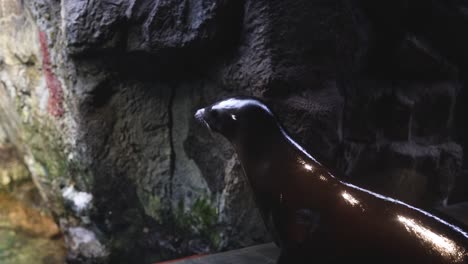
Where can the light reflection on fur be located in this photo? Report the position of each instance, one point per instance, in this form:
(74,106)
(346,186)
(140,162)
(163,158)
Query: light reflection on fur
(439,242)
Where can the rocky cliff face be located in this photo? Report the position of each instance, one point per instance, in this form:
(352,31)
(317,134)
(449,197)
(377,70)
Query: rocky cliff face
(97,97)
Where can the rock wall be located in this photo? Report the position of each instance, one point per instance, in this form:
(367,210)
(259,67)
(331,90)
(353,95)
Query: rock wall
(101,96)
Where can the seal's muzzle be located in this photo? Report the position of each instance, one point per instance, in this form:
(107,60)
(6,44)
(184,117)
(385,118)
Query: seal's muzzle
(200,116)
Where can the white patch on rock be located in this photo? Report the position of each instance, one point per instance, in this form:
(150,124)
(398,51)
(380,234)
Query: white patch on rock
(85,242)
(43,95)
(80,200)
(81,235)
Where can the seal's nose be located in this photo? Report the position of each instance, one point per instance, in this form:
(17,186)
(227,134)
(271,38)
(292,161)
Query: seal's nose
(199,114)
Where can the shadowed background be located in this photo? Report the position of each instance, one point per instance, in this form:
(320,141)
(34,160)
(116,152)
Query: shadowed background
(97,101)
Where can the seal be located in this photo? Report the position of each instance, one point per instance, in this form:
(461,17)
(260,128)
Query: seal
(313,215)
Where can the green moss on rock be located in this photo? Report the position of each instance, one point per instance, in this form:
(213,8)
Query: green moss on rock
(200,220)
(152,205)
(47,161)
(12,170)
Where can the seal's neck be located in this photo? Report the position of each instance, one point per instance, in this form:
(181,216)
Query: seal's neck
(259,144)
(270,162)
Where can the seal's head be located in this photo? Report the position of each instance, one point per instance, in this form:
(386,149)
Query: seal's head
(238,118)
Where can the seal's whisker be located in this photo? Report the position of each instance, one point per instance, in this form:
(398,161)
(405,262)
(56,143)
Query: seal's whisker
(199,117)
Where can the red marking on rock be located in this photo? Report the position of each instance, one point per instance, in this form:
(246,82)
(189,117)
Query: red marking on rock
(55,103)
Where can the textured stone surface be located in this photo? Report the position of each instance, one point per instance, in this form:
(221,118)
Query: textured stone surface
(150,26)
(12,169)
(27,234)
(98,98)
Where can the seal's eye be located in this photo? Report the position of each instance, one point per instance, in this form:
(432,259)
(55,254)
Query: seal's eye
(234,117)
